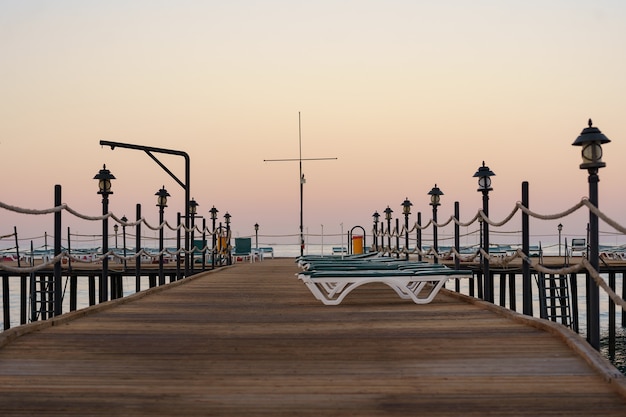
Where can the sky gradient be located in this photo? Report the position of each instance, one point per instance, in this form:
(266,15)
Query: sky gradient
(405,94)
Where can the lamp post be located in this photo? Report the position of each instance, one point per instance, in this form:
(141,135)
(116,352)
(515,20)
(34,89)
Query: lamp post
(376,216)
(213,212)
(256,236)
(560,228)
(203,244)
(115,229)
(162,195)
(193,209)
(435,196)
(227,219)
(104,178)
(124,221)
(406,210)
(388,212)
(484,186)
(591,140)
(418,236)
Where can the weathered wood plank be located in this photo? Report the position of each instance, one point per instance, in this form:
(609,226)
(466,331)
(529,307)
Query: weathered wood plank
(252,340)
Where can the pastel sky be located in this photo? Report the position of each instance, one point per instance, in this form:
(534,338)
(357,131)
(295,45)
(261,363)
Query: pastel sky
(405,94)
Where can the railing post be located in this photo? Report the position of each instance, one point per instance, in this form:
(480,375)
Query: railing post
(5,302)
(623,298)
(457,244)
(612,317)
(57,251)
(593,291)
(178,238)
(573,285)
(527,296)
(138,249)
(419,236)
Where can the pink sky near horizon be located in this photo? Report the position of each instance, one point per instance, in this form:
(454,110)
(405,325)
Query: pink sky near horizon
(405,94)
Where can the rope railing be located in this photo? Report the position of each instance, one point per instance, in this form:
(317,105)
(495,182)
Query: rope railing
(393,233)
(505,260)
(109,215)
(98,257)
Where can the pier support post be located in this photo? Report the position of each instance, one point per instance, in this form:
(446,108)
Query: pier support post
(138,249)
(457,244)
(419,236)
(57,251)
(527,289)
(593,292)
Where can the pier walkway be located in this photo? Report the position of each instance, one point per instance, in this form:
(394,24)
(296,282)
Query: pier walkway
(251,340)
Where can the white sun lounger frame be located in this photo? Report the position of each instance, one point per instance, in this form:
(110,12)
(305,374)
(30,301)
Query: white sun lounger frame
(331,290)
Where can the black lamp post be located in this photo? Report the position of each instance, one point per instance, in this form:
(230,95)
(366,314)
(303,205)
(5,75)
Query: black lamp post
(406,210)
(213,212)
(115,229)
(256,236)
(227,220)
(124,221)
(560,229)
(376,216)
(104,178)
(388,212)
(418,236)
(591,140)
(435,196)
(193,209)
(162,195)
(484,186)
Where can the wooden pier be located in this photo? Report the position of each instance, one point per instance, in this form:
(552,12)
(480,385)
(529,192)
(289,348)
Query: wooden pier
(251,340)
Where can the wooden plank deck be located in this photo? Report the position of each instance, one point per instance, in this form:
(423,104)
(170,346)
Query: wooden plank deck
(251,340)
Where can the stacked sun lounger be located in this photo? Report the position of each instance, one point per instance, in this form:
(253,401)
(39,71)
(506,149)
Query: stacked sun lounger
(330,280)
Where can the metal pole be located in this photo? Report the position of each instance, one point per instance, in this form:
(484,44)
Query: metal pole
(593,321)
(389,234)
(178,223)
(435,246)
(161,276)
(457,241)
(57,251)
(203,244)
(406,234)
(213,240)
(193,243)
(527,288)
(375,237)
(138,249)
(301,186)
(488,279)
(104,288)
(124,243)
(419,236)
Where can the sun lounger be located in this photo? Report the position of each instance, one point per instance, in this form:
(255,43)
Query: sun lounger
(421,285)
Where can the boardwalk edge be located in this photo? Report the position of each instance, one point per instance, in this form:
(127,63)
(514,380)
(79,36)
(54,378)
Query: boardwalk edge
(13,333)
(574,341)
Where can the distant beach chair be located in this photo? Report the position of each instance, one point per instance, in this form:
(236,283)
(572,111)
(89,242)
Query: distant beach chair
(243,249)
(340,250)
(578,245)
(265,250)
